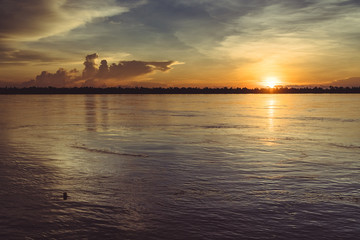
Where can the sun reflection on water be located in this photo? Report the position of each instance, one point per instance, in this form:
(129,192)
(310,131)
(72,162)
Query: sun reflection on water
(271,113)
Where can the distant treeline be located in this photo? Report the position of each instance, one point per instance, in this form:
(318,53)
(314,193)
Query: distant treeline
(175,90)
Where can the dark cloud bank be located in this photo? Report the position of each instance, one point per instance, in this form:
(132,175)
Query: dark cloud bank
(97,76)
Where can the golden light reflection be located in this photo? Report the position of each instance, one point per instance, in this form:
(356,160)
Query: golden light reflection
(271,106)
(271,112)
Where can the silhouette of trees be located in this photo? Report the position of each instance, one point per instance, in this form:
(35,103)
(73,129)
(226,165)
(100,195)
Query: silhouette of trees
(175,90)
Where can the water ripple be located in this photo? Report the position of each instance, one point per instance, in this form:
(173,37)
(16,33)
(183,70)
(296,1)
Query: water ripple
(107,151)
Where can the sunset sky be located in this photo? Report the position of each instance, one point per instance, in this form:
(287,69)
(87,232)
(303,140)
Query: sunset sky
(197,43)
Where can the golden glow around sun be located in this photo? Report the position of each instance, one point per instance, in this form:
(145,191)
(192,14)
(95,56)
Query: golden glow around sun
(271,81)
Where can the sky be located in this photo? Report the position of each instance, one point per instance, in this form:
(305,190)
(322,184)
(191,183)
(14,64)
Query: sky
(179,43)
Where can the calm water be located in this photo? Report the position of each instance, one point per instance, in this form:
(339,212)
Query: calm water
(180,166)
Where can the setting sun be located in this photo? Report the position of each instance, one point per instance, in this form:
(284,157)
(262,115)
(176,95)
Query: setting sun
(271,81)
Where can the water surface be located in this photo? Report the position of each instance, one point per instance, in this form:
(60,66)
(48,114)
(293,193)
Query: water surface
(180,166)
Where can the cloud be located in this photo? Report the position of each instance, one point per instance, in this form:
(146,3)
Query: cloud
(25,21)
(61,78)
(90,66)
(236,40)
(298,40)
(19,56)
(130,69)
(34,19)
(101,76)
(122,70)
(349,82)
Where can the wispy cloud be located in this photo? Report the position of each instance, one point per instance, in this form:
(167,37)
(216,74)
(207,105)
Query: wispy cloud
(34,19)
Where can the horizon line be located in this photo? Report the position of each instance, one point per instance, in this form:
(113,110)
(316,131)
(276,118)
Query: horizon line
(175,90)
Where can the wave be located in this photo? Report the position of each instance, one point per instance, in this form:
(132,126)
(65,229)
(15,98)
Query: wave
(309,197)
(280,177)
(330,119)
(106,151)
(345,146)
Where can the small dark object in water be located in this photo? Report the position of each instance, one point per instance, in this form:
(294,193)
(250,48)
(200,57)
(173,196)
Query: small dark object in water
(65,196)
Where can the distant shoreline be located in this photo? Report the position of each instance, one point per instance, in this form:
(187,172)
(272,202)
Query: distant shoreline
(175,90)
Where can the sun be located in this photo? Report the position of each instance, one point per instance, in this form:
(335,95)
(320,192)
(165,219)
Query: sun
(271,82)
